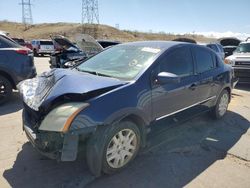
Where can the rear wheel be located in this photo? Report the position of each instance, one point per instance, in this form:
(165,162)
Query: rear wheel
(221,106)
(35,53)
(5,89)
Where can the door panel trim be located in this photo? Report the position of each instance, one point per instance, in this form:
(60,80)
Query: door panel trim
(167,115)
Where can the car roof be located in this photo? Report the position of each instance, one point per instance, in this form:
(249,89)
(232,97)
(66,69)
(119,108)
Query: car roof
(163,45)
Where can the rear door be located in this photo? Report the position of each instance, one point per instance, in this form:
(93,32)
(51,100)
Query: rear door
(205,68)
(170,98)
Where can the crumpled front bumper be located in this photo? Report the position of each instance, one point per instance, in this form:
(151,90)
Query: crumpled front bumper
(59,146)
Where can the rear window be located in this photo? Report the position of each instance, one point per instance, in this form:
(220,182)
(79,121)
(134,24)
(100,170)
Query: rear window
(5,42)
(46,43)
(204,60)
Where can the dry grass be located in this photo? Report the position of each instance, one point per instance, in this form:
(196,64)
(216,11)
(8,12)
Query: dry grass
(44,31)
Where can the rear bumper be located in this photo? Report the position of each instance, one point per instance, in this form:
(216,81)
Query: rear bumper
(243,74)
(45,51)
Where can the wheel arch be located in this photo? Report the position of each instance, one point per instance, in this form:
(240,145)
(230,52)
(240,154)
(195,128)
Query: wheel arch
(8,76)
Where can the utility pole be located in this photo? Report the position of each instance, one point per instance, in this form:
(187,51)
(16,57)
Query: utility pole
(90,17)
(26,13)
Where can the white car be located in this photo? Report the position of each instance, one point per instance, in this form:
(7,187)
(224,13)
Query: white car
(240,60)
(42,47)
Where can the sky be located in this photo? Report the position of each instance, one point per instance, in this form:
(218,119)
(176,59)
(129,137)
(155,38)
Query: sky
(209,17)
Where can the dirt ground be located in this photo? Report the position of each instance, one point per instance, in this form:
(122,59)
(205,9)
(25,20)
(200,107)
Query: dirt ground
(199,153)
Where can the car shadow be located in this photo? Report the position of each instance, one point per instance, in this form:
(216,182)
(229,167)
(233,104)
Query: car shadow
(173,157)
(13,105)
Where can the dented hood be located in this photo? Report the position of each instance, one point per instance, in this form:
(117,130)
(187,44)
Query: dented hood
(68,81)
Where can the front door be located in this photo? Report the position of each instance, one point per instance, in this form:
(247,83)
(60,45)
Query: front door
(170,98)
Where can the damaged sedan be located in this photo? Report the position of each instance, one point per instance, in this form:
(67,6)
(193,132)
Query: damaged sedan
(108,103)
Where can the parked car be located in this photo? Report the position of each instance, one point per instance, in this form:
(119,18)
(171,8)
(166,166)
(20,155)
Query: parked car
(109,101)
(229,45)
(67,53)
(42,47)
(16,64)
(240,60)
(28,45)
(107,43)
(218,48)
(19,41)
(185,40)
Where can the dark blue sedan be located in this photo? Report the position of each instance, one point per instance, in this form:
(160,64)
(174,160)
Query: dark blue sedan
(108,102)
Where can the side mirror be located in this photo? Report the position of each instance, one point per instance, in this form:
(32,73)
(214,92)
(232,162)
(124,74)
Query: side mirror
(167,78)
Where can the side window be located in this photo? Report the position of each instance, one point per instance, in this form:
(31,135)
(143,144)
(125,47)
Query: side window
(204,60)
(5,43)
(179,62)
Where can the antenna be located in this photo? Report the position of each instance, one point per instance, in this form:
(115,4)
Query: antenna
(26,13)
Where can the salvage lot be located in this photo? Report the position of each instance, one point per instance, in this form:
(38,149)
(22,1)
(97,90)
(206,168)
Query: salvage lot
(198,153)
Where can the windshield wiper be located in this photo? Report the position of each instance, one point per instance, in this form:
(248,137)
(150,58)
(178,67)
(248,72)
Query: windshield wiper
(93,72)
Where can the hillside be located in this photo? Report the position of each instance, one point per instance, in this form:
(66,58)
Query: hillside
(43,31)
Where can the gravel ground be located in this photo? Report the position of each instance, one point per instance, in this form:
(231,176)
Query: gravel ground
(198,153)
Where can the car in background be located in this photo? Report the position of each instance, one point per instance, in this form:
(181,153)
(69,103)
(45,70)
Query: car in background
(107,43)
(218,48)
(16,64)
(69,53)
(28,45)
(22,42)
(42,47)
(19,41)
(240,60)
(183,39)
(229,45)
(108,102)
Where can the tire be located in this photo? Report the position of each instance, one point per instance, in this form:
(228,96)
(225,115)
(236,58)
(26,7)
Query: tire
(121,140)
(5,89)
(221,106)
(35,53)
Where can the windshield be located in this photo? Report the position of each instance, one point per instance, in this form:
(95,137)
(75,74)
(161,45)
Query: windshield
(122,62)
(243,48)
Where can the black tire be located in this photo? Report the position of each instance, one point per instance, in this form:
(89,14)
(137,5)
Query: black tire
(5,89)
(216,110)
(98,144)
(35,53)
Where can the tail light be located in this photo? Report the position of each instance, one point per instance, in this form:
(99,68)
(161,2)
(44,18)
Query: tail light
(22,51)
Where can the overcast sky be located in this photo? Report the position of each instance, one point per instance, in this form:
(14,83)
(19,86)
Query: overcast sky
(177,16)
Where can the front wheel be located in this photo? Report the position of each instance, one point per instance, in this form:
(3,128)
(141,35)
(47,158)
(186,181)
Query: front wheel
(118,145)
(222,104)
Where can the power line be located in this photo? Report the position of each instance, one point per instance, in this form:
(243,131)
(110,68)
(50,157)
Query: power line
(27,18)
(90,11)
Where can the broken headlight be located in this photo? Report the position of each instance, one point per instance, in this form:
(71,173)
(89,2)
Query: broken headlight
(35,90)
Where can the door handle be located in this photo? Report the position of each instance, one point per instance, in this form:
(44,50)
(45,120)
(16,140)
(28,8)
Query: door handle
(193,87)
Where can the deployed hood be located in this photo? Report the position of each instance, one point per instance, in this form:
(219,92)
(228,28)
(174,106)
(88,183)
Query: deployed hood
(61,83)
(229,41)
(88,44)
(63,43)
(82,42)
